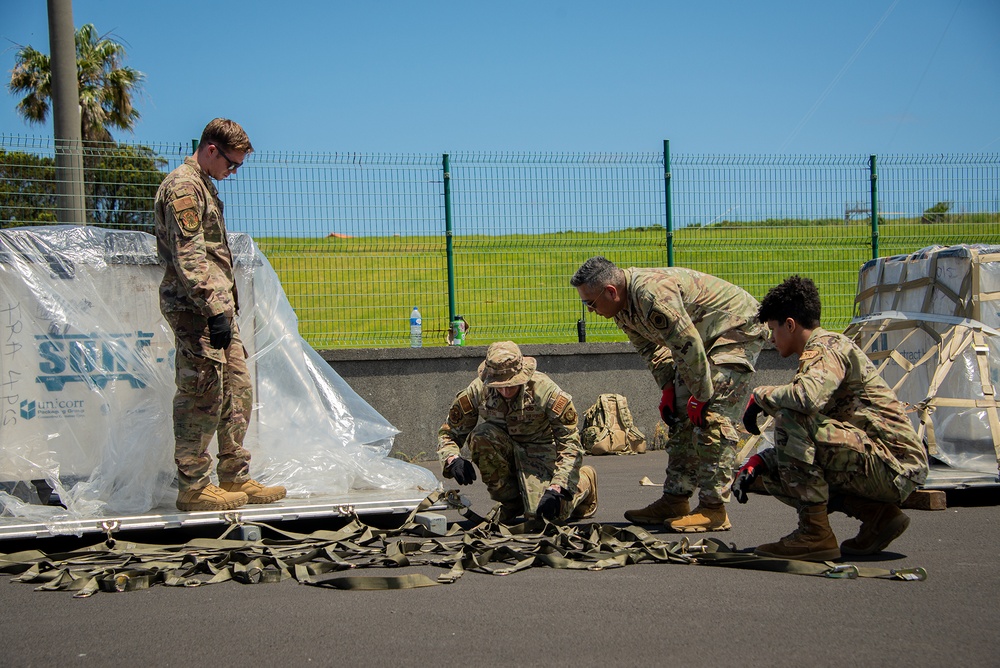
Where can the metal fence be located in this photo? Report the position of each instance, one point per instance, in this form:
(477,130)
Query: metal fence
(358,240)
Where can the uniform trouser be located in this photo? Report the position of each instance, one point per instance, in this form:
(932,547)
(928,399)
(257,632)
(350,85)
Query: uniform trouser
(705,457)
(212,398)
(516,474)
(815,458)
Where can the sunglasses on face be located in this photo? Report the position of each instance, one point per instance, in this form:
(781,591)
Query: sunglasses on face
(233,165)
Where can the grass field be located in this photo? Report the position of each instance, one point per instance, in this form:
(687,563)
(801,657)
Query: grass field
(358,292)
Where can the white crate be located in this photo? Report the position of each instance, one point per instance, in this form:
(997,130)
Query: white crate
(86,355)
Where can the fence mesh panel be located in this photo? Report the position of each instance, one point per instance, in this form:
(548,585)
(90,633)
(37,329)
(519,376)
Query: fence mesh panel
(951,199)
(755,220)
(525,222)
(358,240)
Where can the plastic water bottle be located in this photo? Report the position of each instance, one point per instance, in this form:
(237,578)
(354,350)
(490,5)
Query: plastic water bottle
(416,329)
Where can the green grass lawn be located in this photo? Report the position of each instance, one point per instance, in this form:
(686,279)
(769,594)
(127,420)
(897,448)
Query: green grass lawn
(358,292)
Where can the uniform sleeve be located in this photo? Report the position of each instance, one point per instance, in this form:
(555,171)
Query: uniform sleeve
(821,372)
(201,279)
(669,326)
(563,420)
(686,346)
(462,418)
(658,358)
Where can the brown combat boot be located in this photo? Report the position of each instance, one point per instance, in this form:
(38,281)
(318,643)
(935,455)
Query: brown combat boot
(210,497)
(812,541)
(667,507)
(705,517)
(255,491)
(588,502)
(881,523)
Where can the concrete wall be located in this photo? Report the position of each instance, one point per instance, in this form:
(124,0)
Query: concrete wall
(414,388)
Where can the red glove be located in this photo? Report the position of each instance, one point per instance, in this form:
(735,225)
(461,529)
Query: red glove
(667,405)
(750,414)
(747,474)
(696,411)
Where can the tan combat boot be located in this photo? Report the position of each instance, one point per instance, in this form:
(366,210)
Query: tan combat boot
(881,523)
(255,491)
(667,507)
(705,517)
(210,497)
(812,541)
(588,486)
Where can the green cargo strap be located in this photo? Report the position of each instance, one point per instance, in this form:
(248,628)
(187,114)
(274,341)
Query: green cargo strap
(411,581)
(319,558)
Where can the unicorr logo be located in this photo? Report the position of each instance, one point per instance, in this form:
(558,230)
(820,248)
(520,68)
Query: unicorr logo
(27,409)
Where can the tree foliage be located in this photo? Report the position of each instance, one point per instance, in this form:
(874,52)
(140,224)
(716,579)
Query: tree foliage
(936,213)
(121,183)
(106,85)
(125,179)
(120,180)
(27,189)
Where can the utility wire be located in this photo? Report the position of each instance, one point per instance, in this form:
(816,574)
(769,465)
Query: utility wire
(837,78)
(990,144)
(916,88)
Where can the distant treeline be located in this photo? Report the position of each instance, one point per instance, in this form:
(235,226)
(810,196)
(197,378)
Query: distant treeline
(120,184)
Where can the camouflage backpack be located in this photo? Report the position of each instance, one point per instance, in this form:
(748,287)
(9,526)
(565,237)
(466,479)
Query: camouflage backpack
(608,428)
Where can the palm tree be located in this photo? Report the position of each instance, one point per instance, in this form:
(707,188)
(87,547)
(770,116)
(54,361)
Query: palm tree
(106,85)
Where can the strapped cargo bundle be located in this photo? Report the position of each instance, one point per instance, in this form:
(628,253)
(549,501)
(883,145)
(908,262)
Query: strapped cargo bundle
(931,323)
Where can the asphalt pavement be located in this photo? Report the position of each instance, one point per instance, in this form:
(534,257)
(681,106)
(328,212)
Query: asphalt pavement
(644,614)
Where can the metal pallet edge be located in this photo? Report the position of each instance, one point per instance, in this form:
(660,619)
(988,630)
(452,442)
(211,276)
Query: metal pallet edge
(286,510)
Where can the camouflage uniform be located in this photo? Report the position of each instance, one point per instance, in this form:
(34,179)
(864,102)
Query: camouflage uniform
(839,429)
(214,392)
(700,333)
(523,444)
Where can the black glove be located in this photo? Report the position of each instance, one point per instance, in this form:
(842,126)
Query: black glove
(750,414)
(220,332)
(550,505)
(462,471)
(746,476)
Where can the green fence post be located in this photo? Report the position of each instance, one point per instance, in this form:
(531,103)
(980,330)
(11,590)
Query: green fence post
(874,180)
(448,241)
(670,218)
(194,145)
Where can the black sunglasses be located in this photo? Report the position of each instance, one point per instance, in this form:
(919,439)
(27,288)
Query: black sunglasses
(233,165)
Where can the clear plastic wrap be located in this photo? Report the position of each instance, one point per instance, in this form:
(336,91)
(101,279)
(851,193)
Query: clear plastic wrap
(930,321)
(87,382)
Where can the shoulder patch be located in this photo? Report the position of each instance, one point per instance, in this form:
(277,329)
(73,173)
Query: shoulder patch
(183,203)
(465,402)
(561,401)
(658,320)
(806,357)
(185,210)
(189,220)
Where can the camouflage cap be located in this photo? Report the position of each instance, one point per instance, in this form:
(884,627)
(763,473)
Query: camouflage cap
(505,366)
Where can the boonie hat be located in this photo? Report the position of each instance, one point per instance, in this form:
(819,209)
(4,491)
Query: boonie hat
(505,366)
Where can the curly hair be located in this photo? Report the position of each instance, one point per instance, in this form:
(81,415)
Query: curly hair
(797,298)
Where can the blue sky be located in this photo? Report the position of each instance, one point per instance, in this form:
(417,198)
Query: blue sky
(855,76)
